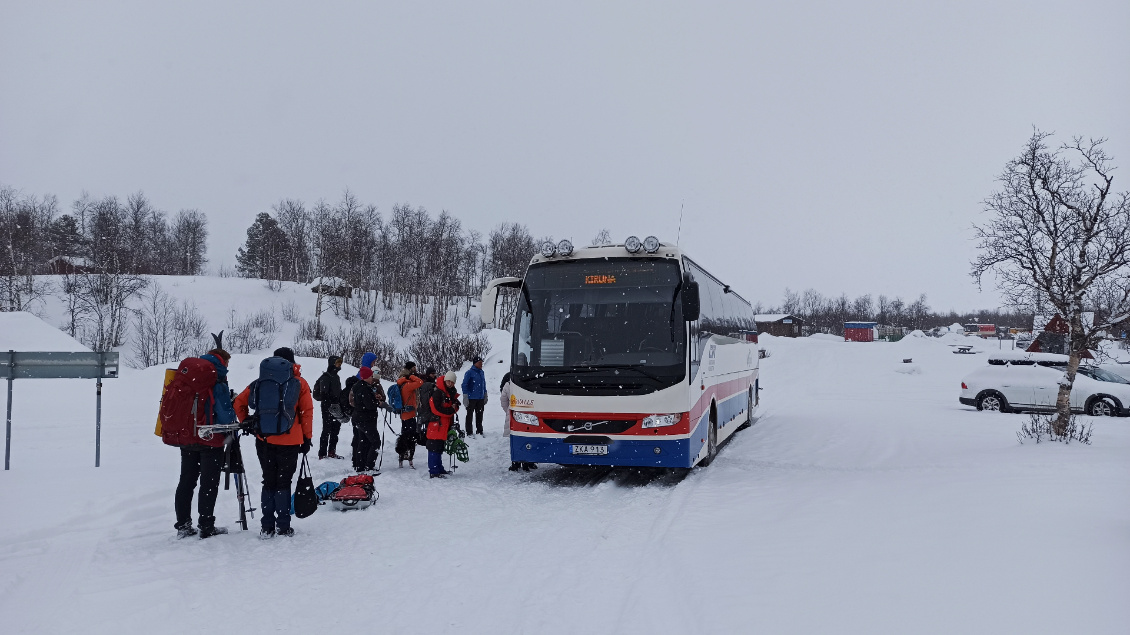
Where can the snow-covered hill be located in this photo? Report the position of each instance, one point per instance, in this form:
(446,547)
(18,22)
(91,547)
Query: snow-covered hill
(865,500)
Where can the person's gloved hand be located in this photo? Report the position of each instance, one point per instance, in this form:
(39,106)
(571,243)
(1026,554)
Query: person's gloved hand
(306,446)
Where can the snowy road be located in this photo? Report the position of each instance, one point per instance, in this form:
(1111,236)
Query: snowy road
(865,500)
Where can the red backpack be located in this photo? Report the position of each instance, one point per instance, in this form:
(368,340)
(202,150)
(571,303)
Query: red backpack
(356,492)
(187,403)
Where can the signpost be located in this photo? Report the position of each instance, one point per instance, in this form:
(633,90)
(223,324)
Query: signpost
(44,365)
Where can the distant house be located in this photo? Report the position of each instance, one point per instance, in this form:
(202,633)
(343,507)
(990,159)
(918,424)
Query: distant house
(334,287)
(70,265)
(779,324)
(1053,337)
(859,331)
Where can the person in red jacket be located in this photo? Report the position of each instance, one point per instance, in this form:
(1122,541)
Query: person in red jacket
(444,403)
(278,454)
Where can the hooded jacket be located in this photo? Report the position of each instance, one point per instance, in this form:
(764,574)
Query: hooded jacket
(444,403)
(303,428)
(366,361)
(367,400)
(331,386)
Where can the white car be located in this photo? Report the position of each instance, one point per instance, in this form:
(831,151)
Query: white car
(1030,382)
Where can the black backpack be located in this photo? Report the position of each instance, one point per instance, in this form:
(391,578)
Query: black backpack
(318,392)
(343,401)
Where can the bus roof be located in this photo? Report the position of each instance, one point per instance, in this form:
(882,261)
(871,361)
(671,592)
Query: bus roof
(666,251)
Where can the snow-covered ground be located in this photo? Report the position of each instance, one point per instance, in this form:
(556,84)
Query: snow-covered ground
(865,500)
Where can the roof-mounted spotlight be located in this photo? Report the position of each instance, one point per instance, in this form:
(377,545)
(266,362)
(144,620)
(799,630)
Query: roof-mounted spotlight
(632,244)
(565,247)
(548,249)
(651,244)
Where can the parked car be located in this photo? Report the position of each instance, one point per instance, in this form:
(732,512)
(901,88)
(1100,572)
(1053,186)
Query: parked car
(1030,383)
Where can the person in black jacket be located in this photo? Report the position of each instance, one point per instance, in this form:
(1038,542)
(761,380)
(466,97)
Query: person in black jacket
(328,389)
(368,401)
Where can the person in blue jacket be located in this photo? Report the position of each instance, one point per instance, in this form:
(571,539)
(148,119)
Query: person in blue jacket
(366,362)
(475,391)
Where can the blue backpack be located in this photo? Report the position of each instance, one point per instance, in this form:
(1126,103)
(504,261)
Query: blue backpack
(394,398)
(274,396)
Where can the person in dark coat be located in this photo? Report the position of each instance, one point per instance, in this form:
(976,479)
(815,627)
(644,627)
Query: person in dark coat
(368,401)
(331,409)
(475,391)
(203,461)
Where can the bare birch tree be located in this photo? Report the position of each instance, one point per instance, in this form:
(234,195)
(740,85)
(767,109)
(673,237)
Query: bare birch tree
(1058,232)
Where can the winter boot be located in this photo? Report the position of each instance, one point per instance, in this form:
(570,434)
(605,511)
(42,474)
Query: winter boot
(401,466)
(208,532)
(515,466)
(185,529)
(266,534)
(440,475)
(288,532)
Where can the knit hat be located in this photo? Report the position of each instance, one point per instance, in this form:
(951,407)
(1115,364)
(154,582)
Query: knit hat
(449,376)
(284,353)
(409,365)
(476,360)
(430,370)
(365,373)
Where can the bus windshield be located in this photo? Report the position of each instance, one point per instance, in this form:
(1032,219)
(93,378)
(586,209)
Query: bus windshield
(594,315)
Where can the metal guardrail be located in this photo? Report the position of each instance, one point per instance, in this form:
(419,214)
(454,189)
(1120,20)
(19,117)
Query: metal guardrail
(51,365)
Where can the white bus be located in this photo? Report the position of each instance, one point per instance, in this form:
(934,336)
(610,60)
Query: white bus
(626,355)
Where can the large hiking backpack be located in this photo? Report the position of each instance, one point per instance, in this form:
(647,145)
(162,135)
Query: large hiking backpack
(356,492)
(424,413)
(187,404)
(274,396)
(395,399)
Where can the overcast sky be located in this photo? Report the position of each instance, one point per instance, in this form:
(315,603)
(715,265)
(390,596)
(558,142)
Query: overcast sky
(840,146)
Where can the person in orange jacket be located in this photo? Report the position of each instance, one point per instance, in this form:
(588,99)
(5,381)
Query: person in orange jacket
(278,454)
(444,404)
(409,383)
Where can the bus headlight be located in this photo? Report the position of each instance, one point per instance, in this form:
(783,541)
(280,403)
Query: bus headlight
(632,244)
(565,247)
(525,418)
(548,249)
(660,421)
(651,244)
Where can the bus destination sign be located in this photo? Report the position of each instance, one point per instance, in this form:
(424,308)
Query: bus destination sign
(600,279)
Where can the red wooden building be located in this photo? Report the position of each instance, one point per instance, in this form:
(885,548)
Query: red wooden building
(859,331)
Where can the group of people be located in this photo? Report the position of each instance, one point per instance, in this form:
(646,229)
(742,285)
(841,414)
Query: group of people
(427,406)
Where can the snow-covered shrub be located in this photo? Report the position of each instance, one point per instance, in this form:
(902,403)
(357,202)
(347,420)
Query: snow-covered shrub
(1041,428)
(289,311)
(247,335)
(350,343)
(446,351)
(167,330)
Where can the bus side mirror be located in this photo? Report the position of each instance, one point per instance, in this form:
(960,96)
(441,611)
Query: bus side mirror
(490,296)
(690,301)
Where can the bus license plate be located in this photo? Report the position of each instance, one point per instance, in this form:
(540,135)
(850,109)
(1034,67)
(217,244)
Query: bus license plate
(592,450)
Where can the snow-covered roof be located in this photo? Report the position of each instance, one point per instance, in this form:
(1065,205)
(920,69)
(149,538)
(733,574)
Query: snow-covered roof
(1040,322)
(1008,356)
(74,261)
(22,331)
(772,317)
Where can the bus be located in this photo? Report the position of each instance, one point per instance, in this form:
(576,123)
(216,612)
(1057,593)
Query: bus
(626,355)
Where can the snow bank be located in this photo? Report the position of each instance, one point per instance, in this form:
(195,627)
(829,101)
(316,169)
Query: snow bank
(22,331)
